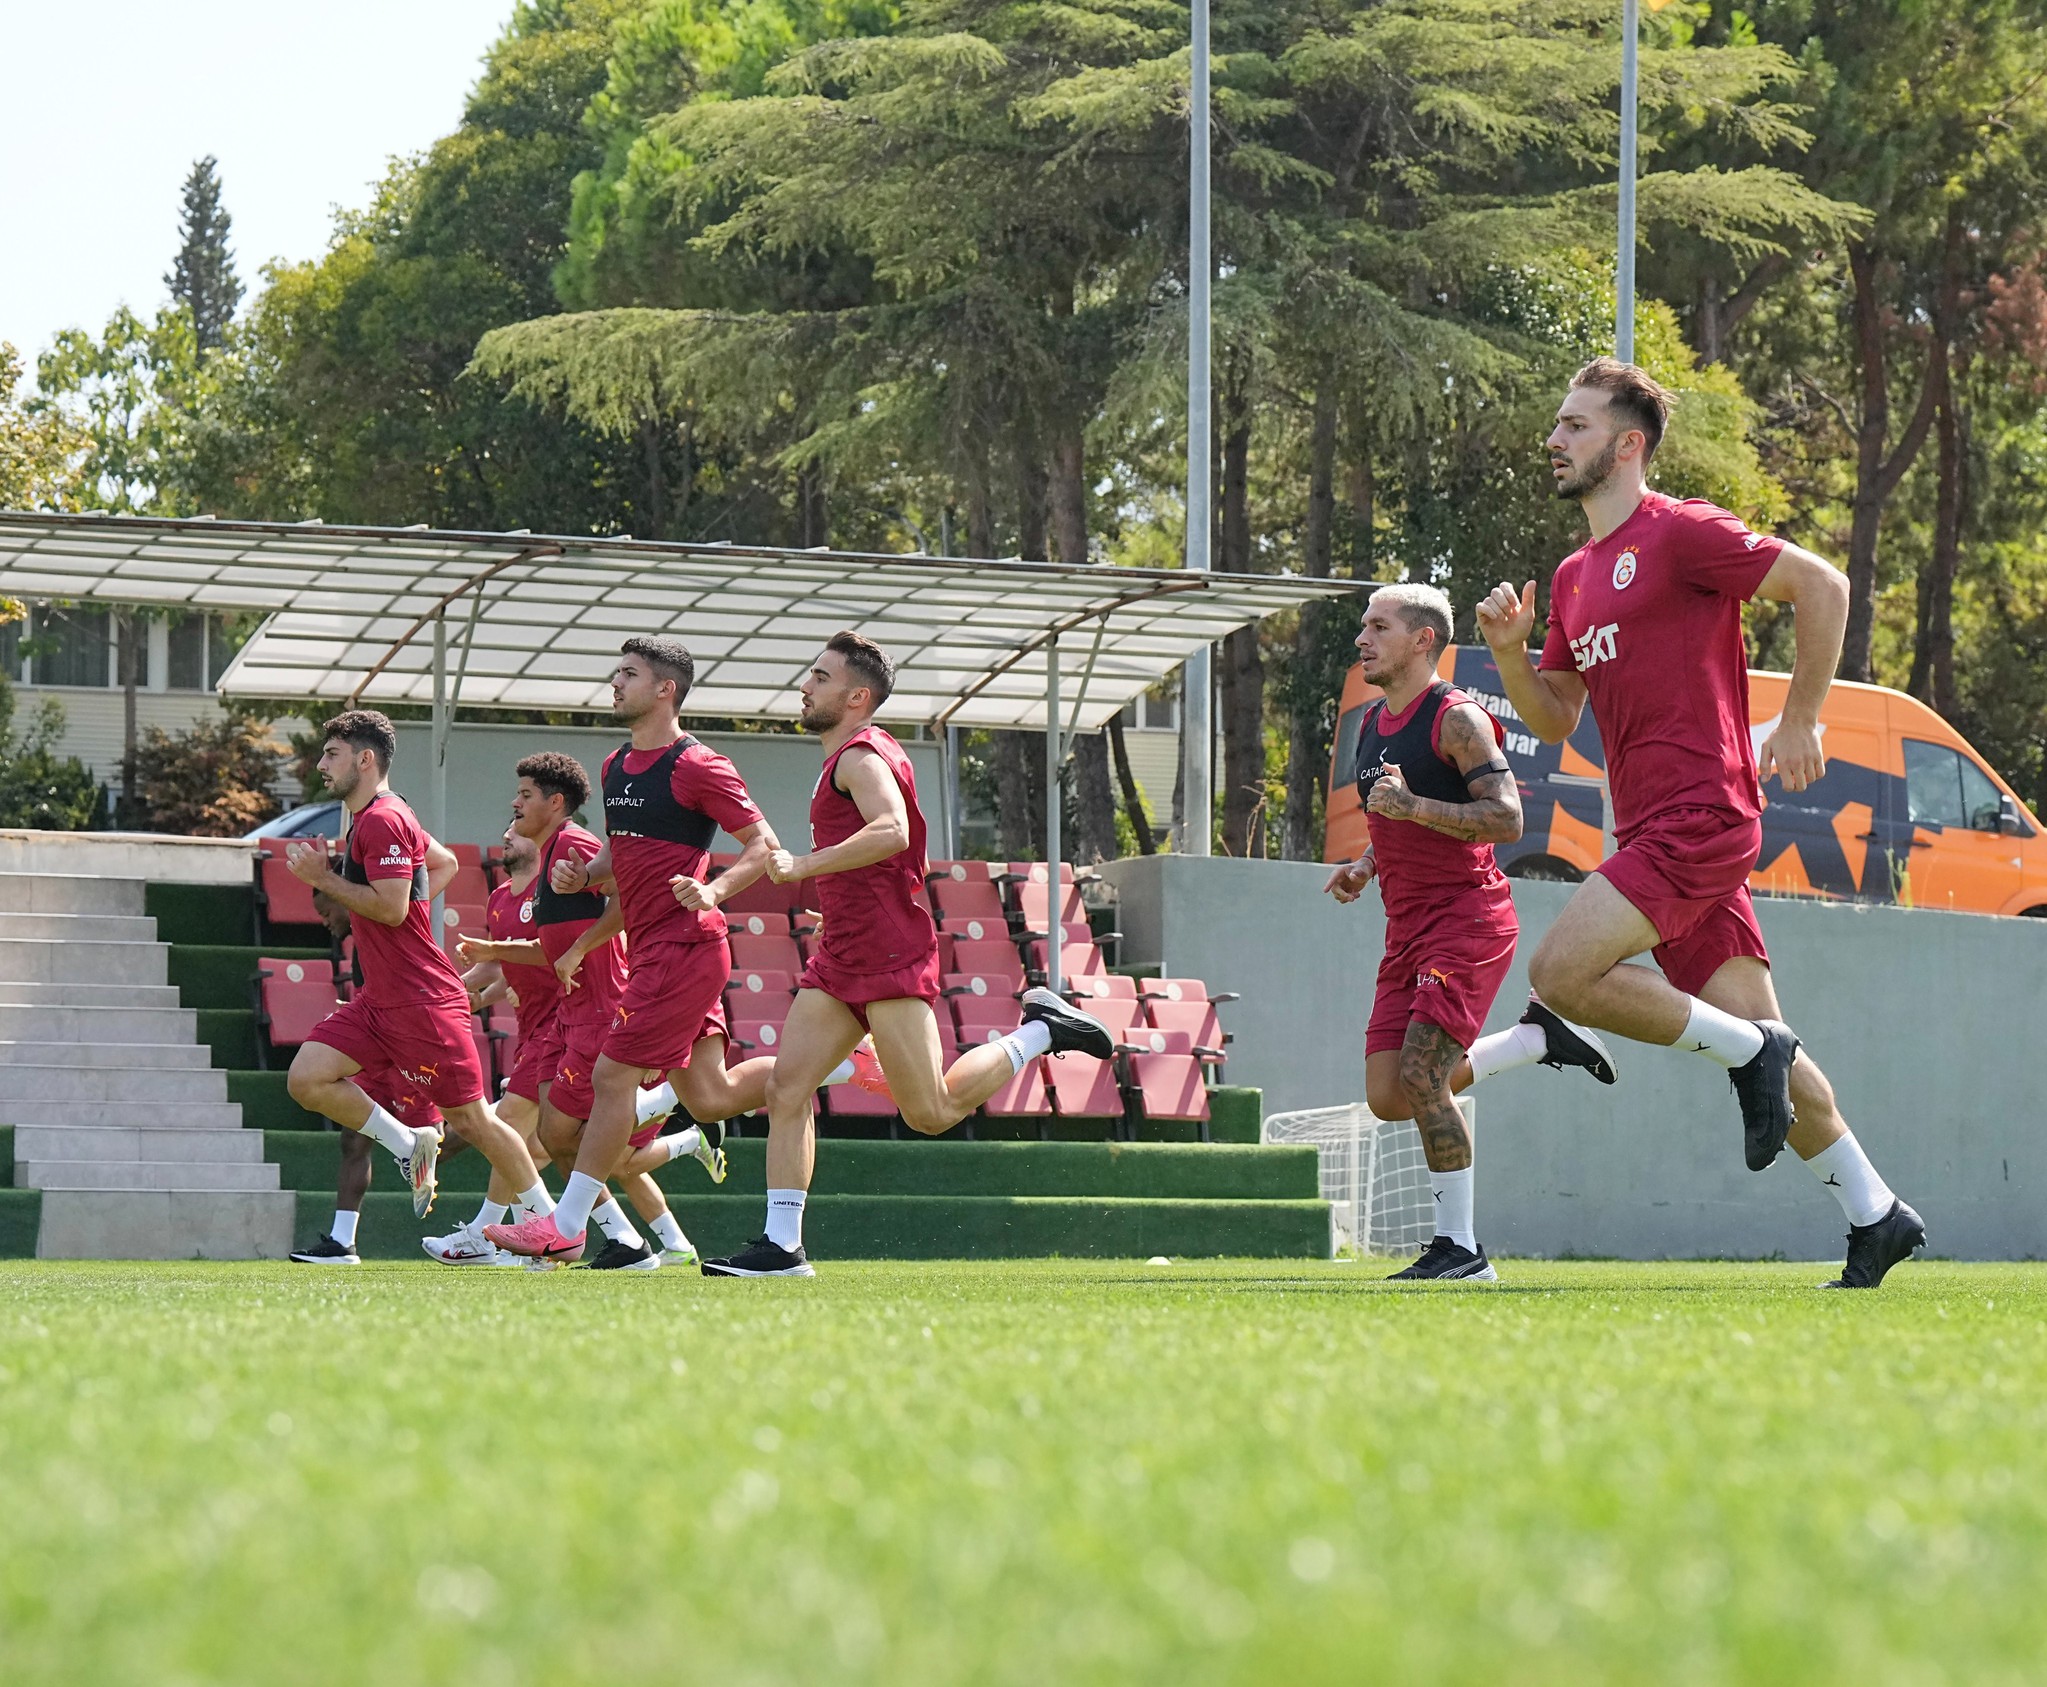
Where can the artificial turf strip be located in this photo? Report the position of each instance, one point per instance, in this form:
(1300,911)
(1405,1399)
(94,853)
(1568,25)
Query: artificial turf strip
(223,975)
(231,1035)
(917,1226)
(21,1220)
(1158,1171)
(201,913)
(1015,1475)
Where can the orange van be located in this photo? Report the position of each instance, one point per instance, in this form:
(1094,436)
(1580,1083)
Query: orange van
(1907,813)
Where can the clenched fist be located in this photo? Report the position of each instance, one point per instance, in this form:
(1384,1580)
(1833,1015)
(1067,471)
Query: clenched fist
(782,866)
(1390,795)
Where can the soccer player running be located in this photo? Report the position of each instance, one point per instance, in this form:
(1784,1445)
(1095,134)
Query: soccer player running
(1438,795)
(665,798)
(875,966)
(412,1013)
(1645,622)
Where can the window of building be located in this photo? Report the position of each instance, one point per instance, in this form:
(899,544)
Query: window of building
(71,646)
(199,652)
(1152,714)
(10,650)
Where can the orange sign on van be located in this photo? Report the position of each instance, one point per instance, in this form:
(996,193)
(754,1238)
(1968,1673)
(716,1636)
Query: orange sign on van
(1907,813)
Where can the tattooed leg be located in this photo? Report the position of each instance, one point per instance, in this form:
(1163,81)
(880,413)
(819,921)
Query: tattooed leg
(1428,1059)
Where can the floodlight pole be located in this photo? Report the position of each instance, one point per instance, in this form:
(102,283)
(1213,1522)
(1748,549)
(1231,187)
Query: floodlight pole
(1197,732)
(1055,745)
(1624,269)
(439,782)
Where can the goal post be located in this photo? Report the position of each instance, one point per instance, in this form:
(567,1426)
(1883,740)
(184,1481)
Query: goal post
(1372,1174)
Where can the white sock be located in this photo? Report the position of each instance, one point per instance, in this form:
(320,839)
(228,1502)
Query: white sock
(1720,1036)
(491,1212)
(669,1234)
(681,1142)
(610,1218)
(536,1201)
(1844,1168)
(785,1218)
(386,1132)
(1518,1045)
(840,1074)
(1026,1043)
(1453,1206)
(581,1193)
(343,1230)
(656,1103)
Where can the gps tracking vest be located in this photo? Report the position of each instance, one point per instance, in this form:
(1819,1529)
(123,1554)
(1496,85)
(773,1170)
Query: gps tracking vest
(552,907)
(643,805)
(1413,748)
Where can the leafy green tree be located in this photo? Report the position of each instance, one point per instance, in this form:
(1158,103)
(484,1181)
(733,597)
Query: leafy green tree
(203,279)
(39,446)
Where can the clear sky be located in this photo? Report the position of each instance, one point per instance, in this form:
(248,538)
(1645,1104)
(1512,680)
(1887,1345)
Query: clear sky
(108,102)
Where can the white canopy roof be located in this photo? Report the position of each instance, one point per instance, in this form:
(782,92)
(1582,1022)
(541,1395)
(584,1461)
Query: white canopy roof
(534,622)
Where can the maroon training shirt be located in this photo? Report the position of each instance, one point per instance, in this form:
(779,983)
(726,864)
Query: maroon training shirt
(401,964)
(702,783)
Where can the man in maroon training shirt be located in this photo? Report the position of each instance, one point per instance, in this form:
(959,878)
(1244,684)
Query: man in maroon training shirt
(875,968)
(1645,622)
(412,1012)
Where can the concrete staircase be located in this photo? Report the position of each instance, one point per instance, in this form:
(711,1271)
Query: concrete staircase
(119,1117)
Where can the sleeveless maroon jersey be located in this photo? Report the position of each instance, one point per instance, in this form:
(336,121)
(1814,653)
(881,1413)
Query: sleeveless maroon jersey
(872,919)
(511,921)
(1421,870)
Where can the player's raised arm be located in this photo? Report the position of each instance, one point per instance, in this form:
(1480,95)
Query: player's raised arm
(1818,592)
(1548,700)
(864,777)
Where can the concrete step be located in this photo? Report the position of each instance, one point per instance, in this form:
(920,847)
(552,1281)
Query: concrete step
(143,1142)
(141,1174)
(45,961)
(14,994)
(88,1080)
(78,928)
(153,1057)
(68,893)
(65,1023)
(166,1224)
(131,1115)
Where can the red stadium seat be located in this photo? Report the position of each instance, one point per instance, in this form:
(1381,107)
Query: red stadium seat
(1120,1016)
(469,854)
(291,998)
(1182,990)
(961,871)
(764,896)
(765,954)
(1033,872)
(990,958)
(979,1016)
(460,920)
(283,897)
(1024,1096)
(850,1101)
(976,929)
(1169,1085)
(1101,987)
(969,899)
(470,886)
(756,1036)
(1034,903)
(1197,1021)
(759,924)
(758,986)
(1076,960)
(1085,1088)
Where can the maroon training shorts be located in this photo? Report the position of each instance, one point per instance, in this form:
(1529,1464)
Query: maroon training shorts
(535,1061)
(674,994)
(1445,969)
(430,1043)
(916,982)
(1687,872)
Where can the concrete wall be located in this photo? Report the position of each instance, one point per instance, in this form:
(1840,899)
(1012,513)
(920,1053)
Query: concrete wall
(780,769)
(1929,1024)
(128,855)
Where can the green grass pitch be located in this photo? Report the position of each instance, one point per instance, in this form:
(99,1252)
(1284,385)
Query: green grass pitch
(1037,1474)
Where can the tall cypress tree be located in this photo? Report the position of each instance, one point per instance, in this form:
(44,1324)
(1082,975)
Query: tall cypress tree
(203,278)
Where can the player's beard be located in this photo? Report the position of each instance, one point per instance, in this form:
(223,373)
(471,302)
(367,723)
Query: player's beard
(343,784)
(1593,476)
(626,713)
(520,852)
(820,717)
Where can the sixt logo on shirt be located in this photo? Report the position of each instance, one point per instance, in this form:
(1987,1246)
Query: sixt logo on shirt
(1594,646)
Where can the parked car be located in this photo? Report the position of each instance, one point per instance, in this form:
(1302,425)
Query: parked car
(1907,813)
(308,820)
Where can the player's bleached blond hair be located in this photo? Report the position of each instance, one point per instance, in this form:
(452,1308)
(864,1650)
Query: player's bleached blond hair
(1420,606)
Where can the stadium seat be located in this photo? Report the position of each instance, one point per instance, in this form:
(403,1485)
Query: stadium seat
(460,920)
(1086,1088)
(1120,1016)
(468,854)
(977,1016)
(1169,1084)
(1101,987)
(1076,960)
(758,986)
(764,896)
(969,899)
(1034,903)
(291,998)
(1033,872)
(991,958)
(755,1036)
(1182,990)
(1197,1021)
(282,897)
(850,1101)
(470,885)
(961,871)
(977,929)
(765,954)
(758,924)
(1024,1096)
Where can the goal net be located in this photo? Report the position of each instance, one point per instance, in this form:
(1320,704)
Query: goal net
(1373,1174)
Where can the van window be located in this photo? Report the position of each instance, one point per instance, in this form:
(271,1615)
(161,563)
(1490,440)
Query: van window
(1944,788)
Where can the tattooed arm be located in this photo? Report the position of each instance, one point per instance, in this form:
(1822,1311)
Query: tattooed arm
(1494,813)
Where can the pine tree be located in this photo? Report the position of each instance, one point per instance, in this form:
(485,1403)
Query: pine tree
(203,279)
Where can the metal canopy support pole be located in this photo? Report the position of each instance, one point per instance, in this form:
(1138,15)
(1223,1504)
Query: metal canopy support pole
(955,803)
(1196,731)
(1624,270)
(1055,899)
(439,783)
